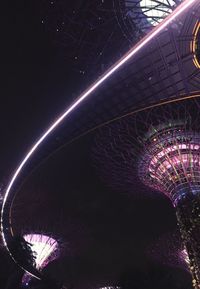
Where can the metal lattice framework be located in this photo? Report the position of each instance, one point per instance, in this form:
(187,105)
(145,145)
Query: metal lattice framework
(137,17)
(44,247)
(45,250)
(160,148)
(170,161)
(166,71)
(156,11)
(83,32)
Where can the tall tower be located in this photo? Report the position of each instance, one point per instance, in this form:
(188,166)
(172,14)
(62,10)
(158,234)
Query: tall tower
(170,163)
(159,148)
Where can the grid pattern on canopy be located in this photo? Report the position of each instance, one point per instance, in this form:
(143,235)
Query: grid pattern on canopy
(159,147)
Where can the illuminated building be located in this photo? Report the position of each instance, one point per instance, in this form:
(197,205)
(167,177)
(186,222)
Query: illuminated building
(159,148)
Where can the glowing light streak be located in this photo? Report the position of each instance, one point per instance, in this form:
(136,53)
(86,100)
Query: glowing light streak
(179,10)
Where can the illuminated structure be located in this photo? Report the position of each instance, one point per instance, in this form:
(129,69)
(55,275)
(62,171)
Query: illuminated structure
(159,148)
(45,250)
(155,11)
(170,162)
(136,18)
(44,247)
(177,76)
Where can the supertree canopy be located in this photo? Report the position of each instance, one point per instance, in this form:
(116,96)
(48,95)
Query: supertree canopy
(45,250)
(159,148)
(44,247)
(138,17)
(155,10)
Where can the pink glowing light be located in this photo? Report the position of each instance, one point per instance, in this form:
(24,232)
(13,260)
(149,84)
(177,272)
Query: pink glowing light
(110,287)
(187,159)
(43,247)
(45,250)
(179,10)
(184,257)
(173,148)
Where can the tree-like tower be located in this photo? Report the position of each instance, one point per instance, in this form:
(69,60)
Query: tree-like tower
(159,148)
(170,163)
(45,249)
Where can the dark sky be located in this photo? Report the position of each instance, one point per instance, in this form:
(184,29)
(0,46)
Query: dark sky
(42,70)
(108,232)
(36,83)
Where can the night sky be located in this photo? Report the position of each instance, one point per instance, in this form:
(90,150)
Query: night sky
(106,234)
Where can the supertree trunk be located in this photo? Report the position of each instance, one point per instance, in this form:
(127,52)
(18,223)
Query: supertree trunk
(188,216)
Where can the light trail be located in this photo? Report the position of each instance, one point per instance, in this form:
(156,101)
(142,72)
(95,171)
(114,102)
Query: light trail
(178,11)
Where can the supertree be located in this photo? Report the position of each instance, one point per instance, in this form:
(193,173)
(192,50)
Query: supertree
(159,147)
(45,249)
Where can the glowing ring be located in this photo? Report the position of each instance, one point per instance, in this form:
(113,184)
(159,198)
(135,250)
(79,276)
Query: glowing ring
(179,10)
(193,44)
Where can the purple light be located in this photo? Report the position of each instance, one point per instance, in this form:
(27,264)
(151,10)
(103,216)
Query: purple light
(45,250)
(183,255)
(171,162)
(180,9)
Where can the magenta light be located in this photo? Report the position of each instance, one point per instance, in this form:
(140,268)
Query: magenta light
(167,167)
(183,255)
(44,248)
(179,10)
